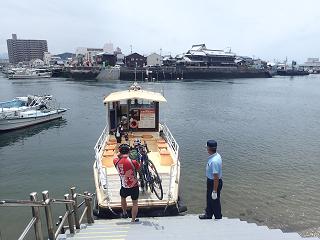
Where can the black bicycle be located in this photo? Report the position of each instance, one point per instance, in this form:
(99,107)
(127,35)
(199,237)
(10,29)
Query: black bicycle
(149,176)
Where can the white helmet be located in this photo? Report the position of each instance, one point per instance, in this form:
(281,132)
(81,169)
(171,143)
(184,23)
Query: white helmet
(136,142)
(124,118)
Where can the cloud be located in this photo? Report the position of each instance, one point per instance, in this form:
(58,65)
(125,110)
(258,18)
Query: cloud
(267,29)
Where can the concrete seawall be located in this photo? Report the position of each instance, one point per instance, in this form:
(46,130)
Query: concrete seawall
(161,73)
(77,72)
(186,73)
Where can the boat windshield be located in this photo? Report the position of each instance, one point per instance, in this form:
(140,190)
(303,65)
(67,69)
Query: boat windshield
(14,103)
(141,104)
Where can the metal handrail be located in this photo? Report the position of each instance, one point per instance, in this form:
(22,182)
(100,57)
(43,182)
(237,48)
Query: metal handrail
(175,148)
(102,170)
(99,148)
(46,204)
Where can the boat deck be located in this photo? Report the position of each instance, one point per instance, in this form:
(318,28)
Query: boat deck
(145,198)
(161,156)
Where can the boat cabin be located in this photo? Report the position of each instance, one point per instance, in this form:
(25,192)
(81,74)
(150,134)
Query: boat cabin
(139,106)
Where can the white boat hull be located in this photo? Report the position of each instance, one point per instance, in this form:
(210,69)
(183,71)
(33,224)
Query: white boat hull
(29,76)
(7,124)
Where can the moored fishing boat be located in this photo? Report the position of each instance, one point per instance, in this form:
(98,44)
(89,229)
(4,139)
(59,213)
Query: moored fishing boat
(26,111)
(142,108)
(30,74)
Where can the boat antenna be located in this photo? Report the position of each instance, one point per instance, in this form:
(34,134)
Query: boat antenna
(135,87)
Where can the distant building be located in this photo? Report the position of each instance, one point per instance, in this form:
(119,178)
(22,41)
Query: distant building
(89,54)
(54,59)
(311,64)
(169,61)
(135,60)
(120,59)
(105,57)
(154,59)
(64,62)
(20,50)
(36,62)
(244,61)
(47,58)
(199,55)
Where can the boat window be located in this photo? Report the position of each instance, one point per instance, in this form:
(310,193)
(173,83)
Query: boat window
(123,108)
(141,104)
(112,105)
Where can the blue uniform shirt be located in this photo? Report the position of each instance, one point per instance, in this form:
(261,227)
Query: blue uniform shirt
(214,166)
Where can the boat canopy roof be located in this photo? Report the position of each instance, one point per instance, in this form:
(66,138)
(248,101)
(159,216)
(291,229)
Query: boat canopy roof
(135,94)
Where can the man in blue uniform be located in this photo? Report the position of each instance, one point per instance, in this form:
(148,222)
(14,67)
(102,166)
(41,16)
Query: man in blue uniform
(214,182)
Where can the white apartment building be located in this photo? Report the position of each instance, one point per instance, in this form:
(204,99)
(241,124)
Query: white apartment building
(47,58)
(89,53)
(311,64)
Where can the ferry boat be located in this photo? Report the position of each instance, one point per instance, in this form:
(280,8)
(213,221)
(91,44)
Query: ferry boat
(142,108)
(26,111)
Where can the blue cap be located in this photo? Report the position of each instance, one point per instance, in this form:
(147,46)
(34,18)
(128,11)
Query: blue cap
(212,143)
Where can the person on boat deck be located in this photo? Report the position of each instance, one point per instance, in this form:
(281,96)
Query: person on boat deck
(214,182)
(119,130)
(127,170)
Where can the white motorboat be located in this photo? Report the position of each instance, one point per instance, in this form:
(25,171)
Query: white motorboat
(142,108)
(26,111)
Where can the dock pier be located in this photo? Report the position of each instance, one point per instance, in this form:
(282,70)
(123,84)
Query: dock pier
(179,227)
(182,226)
(173,73)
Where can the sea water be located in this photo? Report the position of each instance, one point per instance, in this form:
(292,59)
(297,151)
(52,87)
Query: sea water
(267,131)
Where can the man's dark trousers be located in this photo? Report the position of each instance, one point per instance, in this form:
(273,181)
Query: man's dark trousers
(213,206)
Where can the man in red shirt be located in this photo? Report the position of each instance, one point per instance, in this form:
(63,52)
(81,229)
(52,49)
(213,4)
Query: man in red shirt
(127,170)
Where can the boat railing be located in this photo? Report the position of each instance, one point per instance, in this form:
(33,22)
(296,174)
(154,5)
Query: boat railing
(167,135)
(174,167)
(72,212)
(153,85)
(99,148)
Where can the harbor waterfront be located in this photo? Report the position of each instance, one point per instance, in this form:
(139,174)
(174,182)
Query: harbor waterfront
(267,131)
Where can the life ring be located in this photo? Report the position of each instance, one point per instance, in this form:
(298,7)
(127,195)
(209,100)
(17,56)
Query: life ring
(134,123)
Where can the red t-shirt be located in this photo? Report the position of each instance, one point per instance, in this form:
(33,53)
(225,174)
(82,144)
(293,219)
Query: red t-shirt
(126,171)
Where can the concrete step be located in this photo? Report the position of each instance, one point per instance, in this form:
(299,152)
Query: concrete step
(179,227)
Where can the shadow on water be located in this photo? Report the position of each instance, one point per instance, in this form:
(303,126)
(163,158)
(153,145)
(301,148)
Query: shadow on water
(214,80)
(10,137)
(109,83)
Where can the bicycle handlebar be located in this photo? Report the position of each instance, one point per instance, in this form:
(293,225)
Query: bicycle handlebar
(144,146)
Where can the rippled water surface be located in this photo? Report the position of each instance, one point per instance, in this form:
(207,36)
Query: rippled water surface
(267,132)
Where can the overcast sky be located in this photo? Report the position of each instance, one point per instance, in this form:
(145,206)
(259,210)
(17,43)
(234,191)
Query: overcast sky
(269,30)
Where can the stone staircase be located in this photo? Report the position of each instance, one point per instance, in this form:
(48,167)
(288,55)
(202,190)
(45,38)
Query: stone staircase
(178,227)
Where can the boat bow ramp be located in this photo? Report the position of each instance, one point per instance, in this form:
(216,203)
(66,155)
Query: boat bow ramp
(178,227)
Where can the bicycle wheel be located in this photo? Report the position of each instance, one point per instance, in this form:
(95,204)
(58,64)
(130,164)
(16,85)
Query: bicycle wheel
(142,181)
(155,183)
